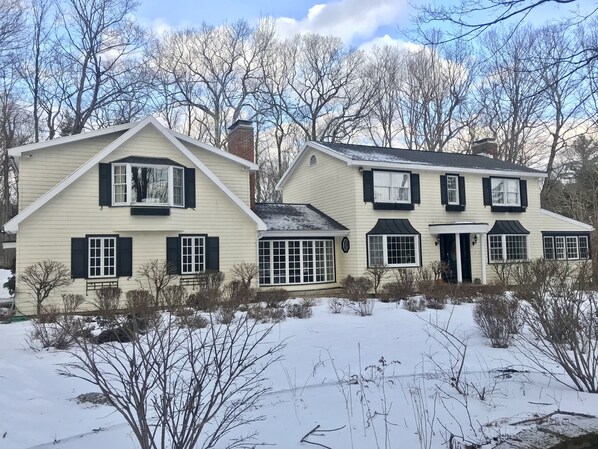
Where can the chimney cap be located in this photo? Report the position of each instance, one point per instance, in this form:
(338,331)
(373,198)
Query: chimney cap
(485,140)
(241,123)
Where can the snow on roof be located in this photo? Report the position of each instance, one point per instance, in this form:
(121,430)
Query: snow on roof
(295,217)
(368,153)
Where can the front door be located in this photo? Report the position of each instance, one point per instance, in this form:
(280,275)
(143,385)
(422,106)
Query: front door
(448,255)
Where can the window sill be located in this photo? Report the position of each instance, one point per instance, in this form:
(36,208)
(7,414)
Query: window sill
(507,209)
(150,211)
(393,206)
(297,283)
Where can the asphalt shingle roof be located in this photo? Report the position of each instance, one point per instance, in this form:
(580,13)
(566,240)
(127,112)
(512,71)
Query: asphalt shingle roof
(374,154)
(295,217)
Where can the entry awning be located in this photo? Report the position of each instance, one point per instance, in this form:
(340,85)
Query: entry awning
(458,228)
(508,227)
(393,226)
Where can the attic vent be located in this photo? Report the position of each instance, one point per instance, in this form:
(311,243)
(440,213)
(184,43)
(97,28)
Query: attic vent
(313,160)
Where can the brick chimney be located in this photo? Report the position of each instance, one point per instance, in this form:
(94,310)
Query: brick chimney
(485,147)
(240,143)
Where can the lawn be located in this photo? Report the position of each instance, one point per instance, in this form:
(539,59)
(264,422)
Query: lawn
(382,381)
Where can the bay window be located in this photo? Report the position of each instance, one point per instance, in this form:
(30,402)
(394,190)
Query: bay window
(147,185)
(297,261)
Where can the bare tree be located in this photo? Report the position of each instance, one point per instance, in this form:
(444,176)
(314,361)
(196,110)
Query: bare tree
(155,276)
(182,387)
(98,43)
(43,278)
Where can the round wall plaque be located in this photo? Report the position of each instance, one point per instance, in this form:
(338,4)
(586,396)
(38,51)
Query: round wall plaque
(345,244)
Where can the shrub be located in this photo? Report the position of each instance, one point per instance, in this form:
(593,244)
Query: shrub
(264,315)
(437,302)
(43,278)
(174,297)
(376,274)
(362,307)
(6,315)
(209,292)
(140,303)
(336,305)
(237,292)
(301,310)
(356,288)
(245,273)
(59,334)
(202,301)
(416,304)
(272,297)
(49,314)
(72,302)
(193,321)
(402,288)
(154,276)
(498,318)
(107,301)
(225,315)
(434,294)
(503,273)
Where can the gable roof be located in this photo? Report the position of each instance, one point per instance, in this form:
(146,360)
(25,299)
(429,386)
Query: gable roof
(297,218)
(400,158)
(12,225)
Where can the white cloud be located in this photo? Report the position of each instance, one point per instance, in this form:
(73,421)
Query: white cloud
(385,40)
(347,19)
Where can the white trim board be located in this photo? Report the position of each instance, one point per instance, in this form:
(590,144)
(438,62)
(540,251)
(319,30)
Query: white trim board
(584,226)
(17,151)
(12,226)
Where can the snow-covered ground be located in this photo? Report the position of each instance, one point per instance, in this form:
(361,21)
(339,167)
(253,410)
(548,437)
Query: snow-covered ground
(4,275)
(37,407)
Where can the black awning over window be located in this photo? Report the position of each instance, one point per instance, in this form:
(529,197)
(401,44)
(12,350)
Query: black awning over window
(508,227)
(393,226)
(147,160)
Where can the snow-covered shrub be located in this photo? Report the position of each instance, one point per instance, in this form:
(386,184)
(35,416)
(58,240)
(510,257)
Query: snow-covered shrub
(497,316)
(174,297)
(225,315)
(336,305)
(193,321)
(273,297)
(356,288)
(301,310)
(362,307)
(263,314)
(60,334)
(107,301)
(436,301)
(415,304)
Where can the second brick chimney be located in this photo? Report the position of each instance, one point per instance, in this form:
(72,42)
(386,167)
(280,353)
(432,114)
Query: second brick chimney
(240,143)
(485,147)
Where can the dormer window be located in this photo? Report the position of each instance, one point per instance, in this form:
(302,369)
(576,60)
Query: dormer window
(147,185)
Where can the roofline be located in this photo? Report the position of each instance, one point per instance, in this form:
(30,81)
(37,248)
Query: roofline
(12,225)
(17,151)
(217,151)
(585,226)
(403,166)
(304,233)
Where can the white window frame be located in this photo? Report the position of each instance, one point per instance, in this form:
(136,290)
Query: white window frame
(456,190)
(328,261)
(506,192)
(416,237)
(103,264)
(550,239)
(561,244)
(391,186)
(195,239)
(503,241)
(129,194)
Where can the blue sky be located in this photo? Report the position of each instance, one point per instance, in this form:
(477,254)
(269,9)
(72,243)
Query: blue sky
(355,21)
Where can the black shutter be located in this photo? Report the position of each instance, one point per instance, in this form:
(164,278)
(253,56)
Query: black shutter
(124,257)
(173,251)
(415,195)
(190,188)
(368,186)
(105,188)
(79,257)
(523,192)
(443,192)
(461,191)
(213,253)
(487,189)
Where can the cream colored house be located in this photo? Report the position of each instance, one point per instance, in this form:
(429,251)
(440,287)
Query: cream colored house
(105,202)
(409,208)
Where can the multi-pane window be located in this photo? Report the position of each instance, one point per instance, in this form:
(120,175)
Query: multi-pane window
(566,247)
(393,250)
(296,261)
(452,189)
(507,248)
(505,192)
(192,254)
(392,187)
(119,181)
(102,257)
(147,185)
(178,198)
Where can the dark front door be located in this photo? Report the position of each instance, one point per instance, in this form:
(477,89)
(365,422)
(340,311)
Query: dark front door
(448,255)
